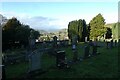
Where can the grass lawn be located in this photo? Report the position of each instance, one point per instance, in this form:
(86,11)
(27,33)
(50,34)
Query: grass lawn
(104,65)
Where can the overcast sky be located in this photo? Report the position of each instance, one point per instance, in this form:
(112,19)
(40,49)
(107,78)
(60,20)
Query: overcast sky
(57,15)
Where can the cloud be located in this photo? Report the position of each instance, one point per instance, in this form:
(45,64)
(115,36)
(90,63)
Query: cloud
(39,22)
(36,22)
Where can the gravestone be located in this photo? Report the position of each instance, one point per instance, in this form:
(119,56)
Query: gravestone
(115,43)
(94,47)
(86,38)
(86,52)
(3,76)
(60,60)
(111,44)
(108,45)
(31,41)
(119,43)
(34,61)
(74,45)
(55,41)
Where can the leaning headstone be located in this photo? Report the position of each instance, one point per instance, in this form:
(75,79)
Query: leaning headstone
(86,52)
(34,61)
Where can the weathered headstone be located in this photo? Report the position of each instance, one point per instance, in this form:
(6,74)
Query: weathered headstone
(86,52)
(60,59)
(34,61)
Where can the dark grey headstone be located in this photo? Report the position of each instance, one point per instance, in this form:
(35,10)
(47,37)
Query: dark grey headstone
(94,47)
(60,59)
(75,55)
(55,41)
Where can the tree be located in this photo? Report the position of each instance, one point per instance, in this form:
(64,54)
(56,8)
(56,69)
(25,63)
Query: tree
(13,31)
(72,28)
(108,33)
(79,28)
(97,26)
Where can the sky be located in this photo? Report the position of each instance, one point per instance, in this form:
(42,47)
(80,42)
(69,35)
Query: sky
(57,15)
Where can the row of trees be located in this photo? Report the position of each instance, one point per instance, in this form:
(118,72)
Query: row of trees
(94,29)
(79,28)
(14,32)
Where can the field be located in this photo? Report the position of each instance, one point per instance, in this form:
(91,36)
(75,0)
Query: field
(104,65)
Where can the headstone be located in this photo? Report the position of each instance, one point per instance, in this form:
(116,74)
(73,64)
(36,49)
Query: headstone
(90,43)
(107,45)
(94,52)
(31,41)
(74,45)
(86,39)
(86,52)
(75,55)
(111,44)
(115,43)
(119,43)
(60,59)
(3,69)
(34,61)
(55,41)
